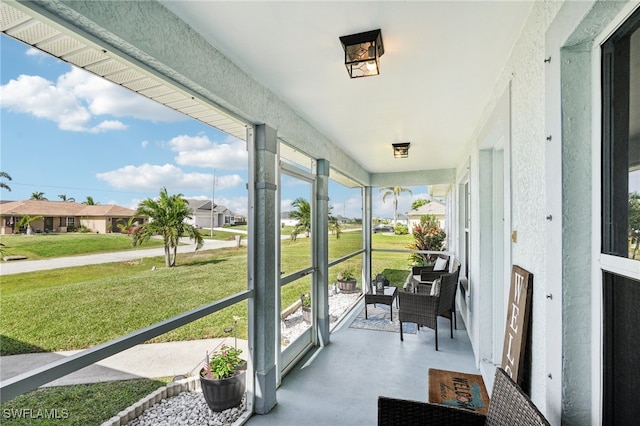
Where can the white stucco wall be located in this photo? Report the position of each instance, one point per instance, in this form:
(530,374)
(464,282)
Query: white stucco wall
(525,72)
(563,108)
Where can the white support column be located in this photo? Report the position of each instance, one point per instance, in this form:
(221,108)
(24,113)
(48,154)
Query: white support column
(263,258)
(321,250)
(366,235)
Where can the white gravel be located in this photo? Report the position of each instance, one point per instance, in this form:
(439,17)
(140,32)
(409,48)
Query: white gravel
(187,408)
(293,326)
(190,408)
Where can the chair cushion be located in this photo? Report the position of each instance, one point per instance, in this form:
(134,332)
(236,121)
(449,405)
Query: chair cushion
(435,287)
(440,265)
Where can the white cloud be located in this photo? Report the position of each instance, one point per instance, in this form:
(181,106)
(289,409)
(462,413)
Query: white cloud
(200,151)
(32,51)
(77,99)
(144,144)
(104,97)
(154,177)
(108,125)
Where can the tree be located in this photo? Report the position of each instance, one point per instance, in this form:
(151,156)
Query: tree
(302,212)
(6,176)
(428,236)
(38,196)
(167,216)
(26,221)
(419,203)
(334,224)
(63,197)
(395,191)
(90,202)
(128,226)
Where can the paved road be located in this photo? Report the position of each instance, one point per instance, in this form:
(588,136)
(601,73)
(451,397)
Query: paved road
(20,266)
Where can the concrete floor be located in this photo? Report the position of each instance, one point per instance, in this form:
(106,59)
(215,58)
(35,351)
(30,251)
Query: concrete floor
(340,383)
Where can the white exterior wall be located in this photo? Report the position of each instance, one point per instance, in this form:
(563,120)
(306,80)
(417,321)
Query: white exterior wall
(557,177)
(524,72)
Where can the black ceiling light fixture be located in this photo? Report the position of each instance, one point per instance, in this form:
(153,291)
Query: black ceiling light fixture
(401,150)
(362,53)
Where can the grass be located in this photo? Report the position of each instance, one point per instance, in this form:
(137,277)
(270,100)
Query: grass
(76,405)
(45,246)
(75,308)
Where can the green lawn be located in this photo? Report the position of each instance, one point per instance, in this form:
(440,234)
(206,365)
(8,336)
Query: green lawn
(75,308)
(43,246)
(78,405)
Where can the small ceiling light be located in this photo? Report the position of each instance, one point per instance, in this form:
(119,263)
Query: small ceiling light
(362,53)
(401,150)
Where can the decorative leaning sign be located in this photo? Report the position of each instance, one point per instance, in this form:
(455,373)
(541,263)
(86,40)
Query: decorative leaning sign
(515,335)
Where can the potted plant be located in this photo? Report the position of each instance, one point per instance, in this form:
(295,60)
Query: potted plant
(223,378)
(305,298)
(346,280)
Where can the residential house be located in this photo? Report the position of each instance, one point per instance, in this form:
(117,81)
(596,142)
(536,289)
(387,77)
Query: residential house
(202,216)
(432,208)
(509,104)
(63,216)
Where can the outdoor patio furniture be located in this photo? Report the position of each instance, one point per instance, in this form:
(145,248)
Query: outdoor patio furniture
(424,309)
(421,275)
(426,288)
(509,405)
(384,296)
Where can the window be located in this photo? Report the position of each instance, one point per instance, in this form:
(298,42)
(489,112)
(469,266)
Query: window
(620,219)
(621,141)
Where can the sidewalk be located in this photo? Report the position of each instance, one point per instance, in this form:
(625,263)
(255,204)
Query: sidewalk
(20,266)
(150,360)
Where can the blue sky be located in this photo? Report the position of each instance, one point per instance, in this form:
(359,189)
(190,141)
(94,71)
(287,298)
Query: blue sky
(66,131)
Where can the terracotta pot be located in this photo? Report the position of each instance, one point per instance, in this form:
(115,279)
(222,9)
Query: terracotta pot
(221,394)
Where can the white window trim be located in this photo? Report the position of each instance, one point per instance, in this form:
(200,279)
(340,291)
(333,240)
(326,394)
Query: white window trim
(602,262)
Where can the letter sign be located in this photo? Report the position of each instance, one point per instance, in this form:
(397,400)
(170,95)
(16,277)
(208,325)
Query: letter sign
(515,335)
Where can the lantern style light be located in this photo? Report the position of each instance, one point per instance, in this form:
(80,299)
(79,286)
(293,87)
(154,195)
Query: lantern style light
(362,53)
(401,150)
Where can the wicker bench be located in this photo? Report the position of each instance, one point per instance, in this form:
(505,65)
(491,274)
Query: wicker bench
(509,405)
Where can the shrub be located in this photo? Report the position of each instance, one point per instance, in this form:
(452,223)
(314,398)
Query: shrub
(428,236)
(401,229)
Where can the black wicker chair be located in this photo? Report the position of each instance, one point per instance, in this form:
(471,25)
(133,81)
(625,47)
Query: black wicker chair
(509,406)
(424,309)
(426,288)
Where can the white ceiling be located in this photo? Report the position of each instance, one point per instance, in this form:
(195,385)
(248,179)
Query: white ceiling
(441,62)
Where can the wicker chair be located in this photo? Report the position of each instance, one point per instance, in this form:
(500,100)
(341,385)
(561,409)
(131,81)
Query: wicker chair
(509,405)
(426,288)
(424,309)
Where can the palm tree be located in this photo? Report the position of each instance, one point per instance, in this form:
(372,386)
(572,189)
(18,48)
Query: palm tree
(395,191)
(303,214)
(167,217)
(127,226)
(26,221)
(90,202)
(6,176)
(38,196)
(63,197)
(334,224)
